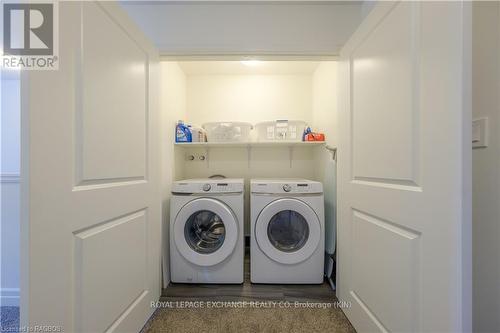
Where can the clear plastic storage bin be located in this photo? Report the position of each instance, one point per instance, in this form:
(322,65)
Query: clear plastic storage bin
(280,130)
(228,131)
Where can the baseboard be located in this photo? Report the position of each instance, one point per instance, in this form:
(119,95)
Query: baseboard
(9,297)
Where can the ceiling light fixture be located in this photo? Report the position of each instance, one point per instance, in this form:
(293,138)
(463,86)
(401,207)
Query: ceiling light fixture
(251,62)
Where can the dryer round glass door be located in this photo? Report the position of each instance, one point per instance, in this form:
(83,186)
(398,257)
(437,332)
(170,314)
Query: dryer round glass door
(288,231)
(206,231)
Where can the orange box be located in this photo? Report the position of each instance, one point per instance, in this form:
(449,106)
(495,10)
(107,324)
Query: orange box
(315,137)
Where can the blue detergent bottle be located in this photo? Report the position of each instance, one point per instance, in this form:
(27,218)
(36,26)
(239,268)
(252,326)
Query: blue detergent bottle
(306,131)
(182,132)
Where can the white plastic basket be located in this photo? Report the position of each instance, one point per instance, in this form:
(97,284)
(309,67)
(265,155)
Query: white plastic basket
(227,131)
(280,130)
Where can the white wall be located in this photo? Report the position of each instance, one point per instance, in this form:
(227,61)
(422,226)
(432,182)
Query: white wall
(486,168)
(11,107)
(253,98)
(264,163)
(173,108)
(324,117)
(325,120)
(324,114)
(9,177)
(250,98)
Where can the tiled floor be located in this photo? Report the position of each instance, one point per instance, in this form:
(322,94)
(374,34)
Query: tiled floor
(249,291)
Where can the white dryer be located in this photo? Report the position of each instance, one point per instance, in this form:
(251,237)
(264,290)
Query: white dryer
(206,231)
(287,231)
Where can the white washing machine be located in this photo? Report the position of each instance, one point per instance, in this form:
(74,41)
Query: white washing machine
(206,231)
(287,231)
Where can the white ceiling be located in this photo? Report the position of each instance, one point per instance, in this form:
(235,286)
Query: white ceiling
(247,27)
(237,67)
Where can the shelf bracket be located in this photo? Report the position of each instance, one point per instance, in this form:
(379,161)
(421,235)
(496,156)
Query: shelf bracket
(333,151)
(207,156)
(249,156)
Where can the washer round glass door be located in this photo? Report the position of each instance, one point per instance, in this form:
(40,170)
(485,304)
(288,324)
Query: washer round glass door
(288,231)
(206,231)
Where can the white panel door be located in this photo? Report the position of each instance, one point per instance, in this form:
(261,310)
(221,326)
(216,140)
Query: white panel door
(91,214)
(403,168)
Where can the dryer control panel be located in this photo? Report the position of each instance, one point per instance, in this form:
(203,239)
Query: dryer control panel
(283,186)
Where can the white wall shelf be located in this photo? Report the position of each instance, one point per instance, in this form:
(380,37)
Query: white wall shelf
(249,146)
(271,144)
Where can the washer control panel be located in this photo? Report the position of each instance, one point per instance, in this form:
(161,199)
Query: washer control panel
(192,186)
(221,187)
